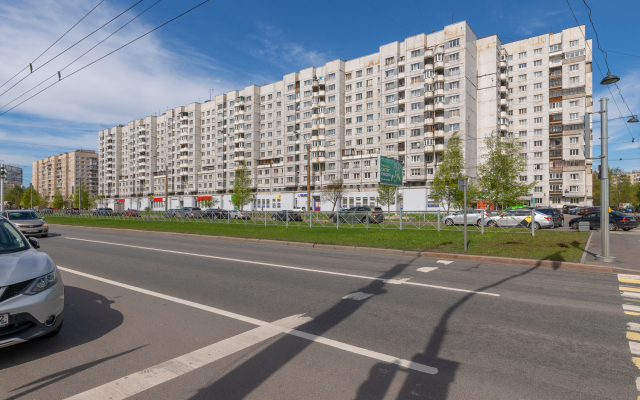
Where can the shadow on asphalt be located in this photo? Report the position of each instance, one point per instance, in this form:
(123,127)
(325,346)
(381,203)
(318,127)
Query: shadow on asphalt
(87,316)
(260,367)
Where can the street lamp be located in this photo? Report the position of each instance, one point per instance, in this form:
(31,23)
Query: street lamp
(308,169)
(609,79)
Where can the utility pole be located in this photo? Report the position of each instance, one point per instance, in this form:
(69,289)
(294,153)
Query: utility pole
(308,177)
(604,184)
(31,200)
(3,173)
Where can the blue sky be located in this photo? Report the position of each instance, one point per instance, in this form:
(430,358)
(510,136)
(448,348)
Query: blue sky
(229,45)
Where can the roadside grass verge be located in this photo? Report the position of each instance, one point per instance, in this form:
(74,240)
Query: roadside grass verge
(545,245)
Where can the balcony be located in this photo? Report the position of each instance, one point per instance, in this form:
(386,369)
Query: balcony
(439,133)
(439,78)
(503,90)
(429,148)
(503,102)
(439,105)
(503,77)
(439,92)
(438,65)
(428,53)
(503,127)
(439,148)
(428,94)
(503,64)
(439,119)
(428,107)
(428,121)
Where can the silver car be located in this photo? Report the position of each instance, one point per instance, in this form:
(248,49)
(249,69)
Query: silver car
(29,222)
(474,217)
(520,218)
(31,289)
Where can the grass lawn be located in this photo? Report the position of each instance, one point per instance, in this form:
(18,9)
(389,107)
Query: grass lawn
(546,245)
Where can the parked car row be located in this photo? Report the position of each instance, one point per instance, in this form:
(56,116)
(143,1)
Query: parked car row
(511,217)
(617,220)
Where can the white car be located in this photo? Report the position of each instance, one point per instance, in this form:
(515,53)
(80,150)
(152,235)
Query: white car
(474,217)
(520,218)
(31,289)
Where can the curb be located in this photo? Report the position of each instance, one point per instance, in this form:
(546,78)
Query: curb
(406,253)
(586,248)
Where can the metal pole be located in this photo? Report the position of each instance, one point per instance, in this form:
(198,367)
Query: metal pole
(308,177)
(533,219)
(265,218)
(310,219)
(438,218)
(604,184)
(2,172)
(482,219)
(31,195)
(400,218)
(166,189)
(465,215)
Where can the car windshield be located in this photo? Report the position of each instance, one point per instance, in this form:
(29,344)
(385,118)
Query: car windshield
(22,215)
(548,211)
(10,239)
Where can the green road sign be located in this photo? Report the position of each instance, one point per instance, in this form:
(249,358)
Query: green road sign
(390,172)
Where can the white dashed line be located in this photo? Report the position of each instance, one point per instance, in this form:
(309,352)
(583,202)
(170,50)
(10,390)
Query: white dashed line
(630,307)
(426,269)
(358,296)
(445,262)
(634,347)
(632,295)
(632,326)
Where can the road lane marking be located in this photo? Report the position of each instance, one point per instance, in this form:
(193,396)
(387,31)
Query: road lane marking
(631,313)
(358,296)
(329,342)
(632,326)
(284,266)
(629,289)
(626,278)
(445,262)
(138,382)
(633,336)
(396,281)
(426,269)
(630,307)
(632,295)
(636,361)
(635,348)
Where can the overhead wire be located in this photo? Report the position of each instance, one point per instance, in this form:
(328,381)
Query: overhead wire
(47,49)
(106,55)
(82,55)
(70,47)
(388,17)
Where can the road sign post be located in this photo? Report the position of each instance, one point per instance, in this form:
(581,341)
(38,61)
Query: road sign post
(463,184)
(390,174)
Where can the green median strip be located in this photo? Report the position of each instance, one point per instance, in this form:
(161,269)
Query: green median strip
(545,245)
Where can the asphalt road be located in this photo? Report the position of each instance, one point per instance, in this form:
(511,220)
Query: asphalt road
(155,317)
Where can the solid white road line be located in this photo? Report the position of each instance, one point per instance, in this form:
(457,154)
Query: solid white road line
(282,266)
(329,342)
(150,377)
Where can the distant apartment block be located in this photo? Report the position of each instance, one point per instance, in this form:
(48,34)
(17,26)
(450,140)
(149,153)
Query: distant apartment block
(66,173)
(13,178)
(404,101)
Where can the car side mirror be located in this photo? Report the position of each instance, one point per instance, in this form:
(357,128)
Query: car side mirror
(34,242)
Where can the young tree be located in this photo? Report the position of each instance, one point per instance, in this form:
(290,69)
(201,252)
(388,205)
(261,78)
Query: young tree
(444,188)
(332,193)
(242,193)
(499,174)
(386,196)
(620,188)
(210,203)
(58,201)
(85,197)
(595,182)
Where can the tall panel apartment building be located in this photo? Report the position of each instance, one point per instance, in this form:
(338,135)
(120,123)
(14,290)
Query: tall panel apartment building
(66,173)
(405,102)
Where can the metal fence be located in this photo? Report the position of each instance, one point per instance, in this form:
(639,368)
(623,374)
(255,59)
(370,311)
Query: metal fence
(402,220)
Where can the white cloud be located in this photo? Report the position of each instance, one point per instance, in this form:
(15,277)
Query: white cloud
(139,80)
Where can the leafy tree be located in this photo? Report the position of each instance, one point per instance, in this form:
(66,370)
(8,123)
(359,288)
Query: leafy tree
(86,201)
(620,188)
(444,188)
(386,196)
(242,193)
(499,174)
(27,198)
(14,195)
(595,182)
(637,198)
(332,193)
(58,201)
(210,203)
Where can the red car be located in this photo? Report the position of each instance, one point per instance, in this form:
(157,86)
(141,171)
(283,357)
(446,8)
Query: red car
(131,213)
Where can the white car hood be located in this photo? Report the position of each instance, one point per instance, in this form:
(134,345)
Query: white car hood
(23,265)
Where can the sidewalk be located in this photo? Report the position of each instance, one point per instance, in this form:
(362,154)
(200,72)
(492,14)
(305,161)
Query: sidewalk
(625,247)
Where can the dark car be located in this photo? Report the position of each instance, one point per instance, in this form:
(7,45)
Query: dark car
(72,211)
(567,207)
(555,214)
(45,211)
(617,220)
(285,215)
(359,215)
(103,211)
(573,211)
(587,210)
(215,213)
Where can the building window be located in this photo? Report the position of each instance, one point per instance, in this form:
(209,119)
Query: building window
(454,43)
(574,43)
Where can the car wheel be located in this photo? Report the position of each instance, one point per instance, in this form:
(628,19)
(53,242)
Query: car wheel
(573,225)
(54,332)
(448,222)
(479,222)
(613,226)
(492,224)
(536,226)
(562,223)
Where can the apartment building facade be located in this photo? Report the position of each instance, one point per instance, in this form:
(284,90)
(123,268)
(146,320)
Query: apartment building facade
(13,177)
(66,172)
(404,102)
